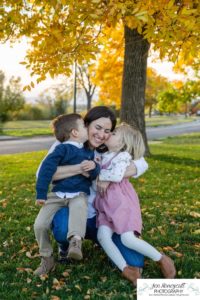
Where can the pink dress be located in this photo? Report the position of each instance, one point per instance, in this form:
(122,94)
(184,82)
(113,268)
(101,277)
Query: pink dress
(119,208)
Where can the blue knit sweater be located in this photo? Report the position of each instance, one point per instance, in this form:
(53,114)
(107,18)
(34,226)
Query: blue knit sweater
(65,154)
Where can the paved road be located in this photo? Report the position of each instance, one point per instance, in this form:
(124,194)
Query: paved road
(8,146)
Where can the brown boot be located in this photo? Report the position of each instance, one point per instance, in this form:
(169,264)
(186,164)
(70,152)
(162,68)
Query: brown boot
(74,250)
(132,274)
(167,267)
(47,265)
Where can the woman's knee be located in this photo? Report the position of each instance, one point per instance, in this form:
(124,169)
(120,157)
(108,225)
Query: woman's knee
(60,225)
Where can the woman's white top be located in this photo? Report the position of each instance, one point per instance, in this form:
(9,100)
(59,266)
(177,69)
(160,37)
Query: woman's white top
(140,164)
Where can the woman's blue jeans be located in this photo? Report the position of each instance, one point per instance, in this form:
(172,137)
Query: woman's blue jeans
(60,228)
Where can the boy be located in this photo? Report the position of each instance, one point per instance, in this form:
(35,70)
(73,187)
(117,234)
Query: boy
(70,130)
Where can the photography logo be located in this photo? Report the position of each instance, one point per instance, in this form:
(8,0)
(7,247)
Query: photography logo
(168,289)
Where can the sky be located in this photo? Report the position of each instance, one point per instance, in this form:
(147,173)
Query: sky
(10,58)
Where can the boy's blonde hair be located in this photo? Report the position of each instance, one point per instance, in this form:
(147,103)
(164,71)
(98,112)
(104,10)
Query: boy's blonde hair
(132,140)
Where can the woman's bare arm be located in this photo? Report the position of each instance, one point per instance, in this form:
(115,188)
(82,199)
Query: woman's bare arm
(67,171)
(130,170)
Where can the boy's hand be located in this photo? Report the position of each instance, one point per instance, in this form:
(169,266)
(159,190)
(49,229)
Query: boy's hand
(88,165)
(86,174)
(40,202)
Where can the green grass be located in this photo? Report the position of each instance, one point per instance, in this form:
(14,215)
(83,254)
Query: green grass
(26,128)
(34,128)
(167,120)
(170,201)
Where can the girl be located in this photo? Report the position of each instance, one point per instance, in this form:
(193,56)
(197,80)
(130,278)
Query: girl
(118,209)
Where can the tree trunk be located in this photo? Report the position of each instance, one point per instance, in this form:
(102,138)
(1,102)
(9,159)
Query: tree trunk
(134,81)
(150,110)
(89,101)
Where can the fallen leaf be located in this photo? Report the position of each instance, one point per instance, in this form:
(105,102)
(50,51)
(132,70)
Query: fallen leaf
(28,270)
(65,274)
(78,287)
(177,254)
(55,297)
(44,277)
(196,231)
(168,248)
(86,277)
(194,214)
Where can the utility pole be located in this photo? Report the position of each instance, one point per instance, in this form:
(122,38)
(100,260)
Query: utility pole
(75,87)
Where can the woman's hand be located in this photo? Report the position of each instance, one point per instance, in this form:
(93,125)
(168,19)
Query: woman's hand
(102,186)
(67,171)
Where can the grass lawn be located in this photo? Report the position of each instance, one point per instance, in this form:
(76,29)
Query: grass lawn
(33,128)
(170,201)
(26,128)
(167,120)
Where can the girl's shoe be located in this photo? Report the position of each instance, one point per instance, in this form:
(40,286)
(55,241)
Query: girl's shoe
(167,267)
(132,274)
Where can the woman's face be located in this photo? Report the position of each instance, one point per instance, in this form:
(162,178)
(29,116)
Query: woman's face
(99,131)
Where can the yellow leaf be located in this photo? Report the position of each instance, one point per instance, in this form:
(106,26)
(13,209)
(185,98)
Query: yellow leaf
(196,231)
(78,287)
(53,297)
(194,214)
(65,274)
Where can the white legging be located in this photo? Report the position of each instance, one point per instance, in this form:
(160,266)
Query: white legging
(104,236)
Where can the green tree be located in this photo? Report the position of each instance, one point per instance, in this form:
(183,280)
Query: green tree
(189,91)
(155,85)
(168,101)
(54,101)
(11,97)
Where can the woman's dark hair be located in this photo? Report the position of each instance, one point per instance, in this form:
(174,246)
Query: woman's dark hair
(98,112)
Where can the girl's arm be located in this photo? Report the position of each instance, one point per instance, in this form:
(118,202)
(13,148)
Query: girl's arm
(135,169)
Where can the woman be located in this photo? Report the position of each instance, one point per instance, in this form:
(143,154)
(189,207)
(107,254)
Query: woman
(100,121)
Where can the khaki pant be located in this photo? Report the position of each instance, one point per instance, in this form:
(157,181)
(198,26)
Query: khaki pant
(77,219)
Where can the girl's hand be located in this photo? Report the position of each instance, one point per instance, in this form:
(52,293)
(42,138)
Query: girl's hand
(40,202)
(88,165)
(102,186)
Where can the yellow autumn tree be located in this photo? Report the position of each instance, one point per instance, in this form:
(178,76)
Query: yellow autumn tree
(63,31)
(109,67)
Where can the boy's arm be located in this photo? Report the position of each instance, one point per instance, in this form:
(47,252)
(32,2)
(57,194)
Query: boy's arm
(47,170)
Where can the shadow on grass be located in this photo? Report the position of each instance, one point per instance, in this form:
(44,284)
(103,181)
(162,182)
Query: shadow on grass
(176,160)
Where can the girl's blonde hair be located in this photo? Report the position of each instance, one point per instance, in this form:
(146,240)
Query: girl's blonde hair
(132,140)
